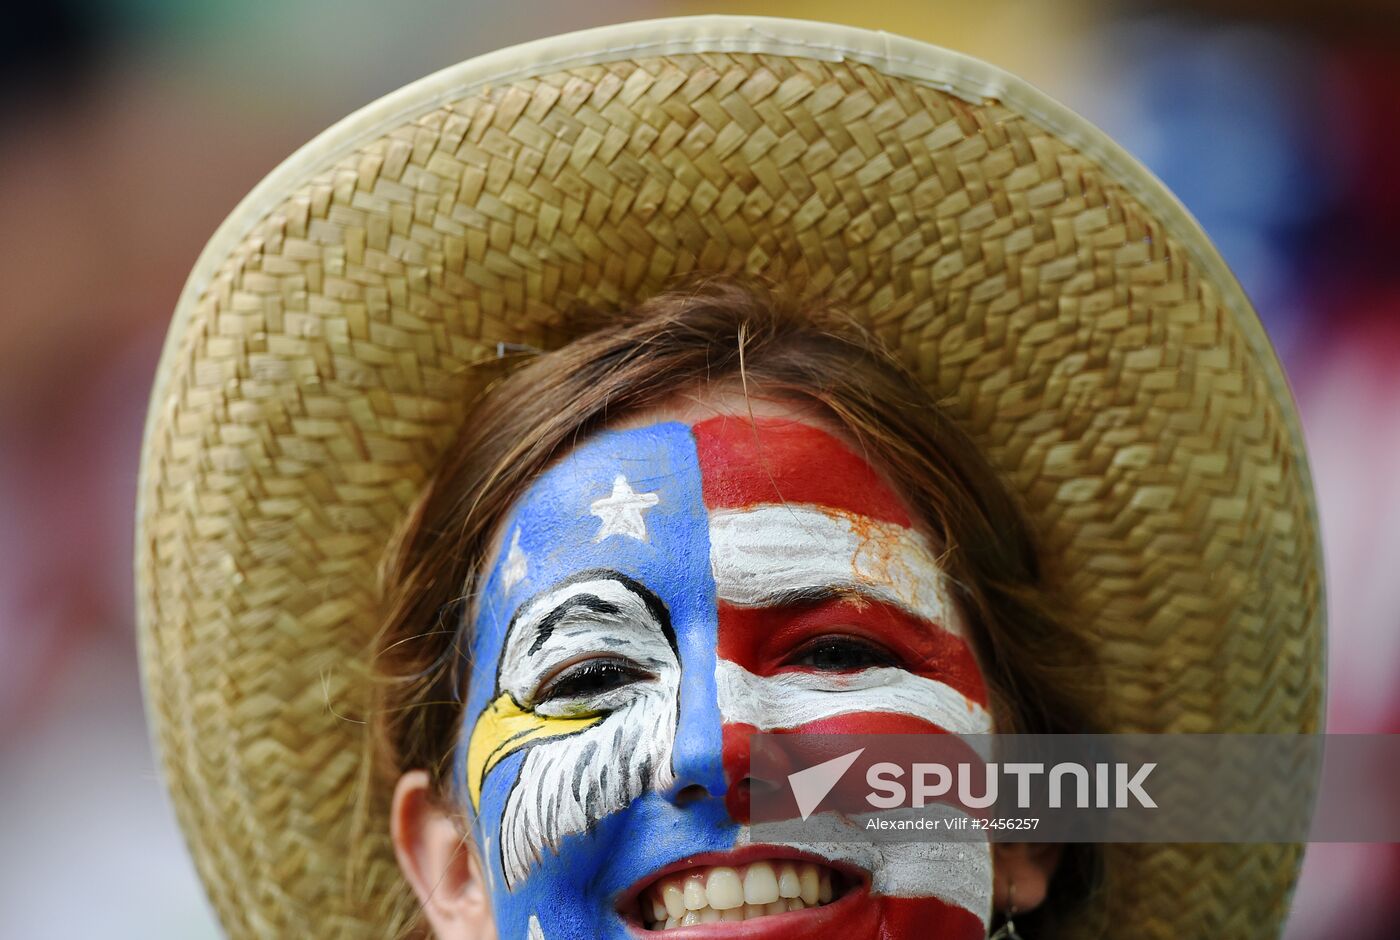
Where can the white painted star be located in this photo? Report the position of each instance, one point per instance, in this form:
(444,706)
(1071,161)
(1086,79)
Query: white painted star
(622,511)
(517,564)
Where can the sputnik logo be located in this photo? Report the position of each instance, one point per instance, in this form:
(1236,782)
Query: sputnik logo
(810,786)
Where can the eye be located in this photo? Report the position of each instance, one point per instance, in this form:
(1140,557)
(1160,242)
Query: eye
(589,679)
(841,654)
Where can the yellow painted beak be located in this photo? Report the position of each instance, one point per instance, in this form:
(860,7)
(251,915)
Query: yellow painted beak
(504,728)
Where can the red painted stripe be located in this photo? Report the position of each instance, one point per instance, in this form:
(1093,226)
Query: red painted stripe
(743,463)
(901,918)
(766,640)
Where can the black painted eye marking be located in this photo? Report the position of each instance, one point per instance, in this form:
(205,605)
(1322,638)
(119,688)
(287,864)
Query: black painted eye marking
(654,605)
(550,620)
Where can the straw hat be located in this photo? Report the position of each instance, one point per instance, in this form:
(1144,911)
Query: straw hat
(1070,313)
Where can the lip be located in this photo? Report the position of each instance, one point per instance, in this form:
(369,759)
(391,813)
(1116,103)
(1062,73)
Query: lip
(813,923)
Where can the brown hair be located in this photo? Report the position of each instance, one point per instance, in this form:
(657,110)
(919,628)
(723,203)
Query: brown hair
(715,331)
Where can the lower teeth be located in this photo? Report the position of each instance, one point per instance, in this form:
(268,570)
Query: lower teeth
(708,915)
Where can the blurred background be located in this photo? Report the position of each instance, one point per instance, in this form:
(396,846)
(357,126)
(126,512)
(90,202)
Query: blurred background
(130,128)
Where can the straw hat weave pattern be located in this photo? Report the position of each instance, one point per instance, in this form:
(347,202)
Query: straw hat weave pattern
(1071,315)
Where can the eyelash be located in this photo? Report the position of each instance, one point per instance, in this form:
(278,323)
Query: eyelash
(873,654)
(609,675)
(558,687)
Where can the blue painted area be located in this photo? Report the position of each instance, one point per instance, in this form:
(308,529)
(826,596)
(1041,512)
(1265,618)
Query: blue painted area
(573,892)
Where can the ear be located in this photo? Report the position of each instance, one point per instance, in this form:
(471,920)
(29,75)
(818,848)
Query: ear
(1022,874)
(439,863)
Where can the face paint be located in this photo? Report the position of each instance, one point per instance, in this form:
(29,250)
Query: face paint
(662,594)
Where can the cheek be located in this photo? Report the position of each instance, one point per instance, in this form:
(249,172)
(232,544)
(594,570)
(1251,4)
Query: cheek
(930,917)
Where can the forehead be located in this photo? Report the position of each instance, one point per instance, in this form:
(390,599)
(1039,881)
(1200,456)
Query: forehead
(618,486)
(773,460)
(637,500)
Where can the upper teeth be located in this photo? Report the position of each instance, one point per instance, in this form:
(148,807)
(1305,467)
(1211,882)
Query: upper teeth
(721,893)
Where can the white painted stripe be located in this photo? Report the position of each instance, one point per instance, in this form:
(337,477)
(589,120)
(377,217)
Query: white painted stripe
(762,552)
(791,699)
(957,873)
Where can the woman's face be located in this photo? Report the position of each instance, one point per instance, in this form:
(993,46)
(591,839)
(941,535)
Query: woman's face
(659,595)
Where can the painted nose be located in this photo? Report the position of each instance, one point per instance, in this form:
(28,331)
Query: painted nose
(697,757)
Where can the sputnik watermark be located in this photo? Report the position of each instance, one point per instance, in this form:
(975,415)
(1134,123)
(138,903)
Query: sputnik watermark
(1163,788)
(890,786)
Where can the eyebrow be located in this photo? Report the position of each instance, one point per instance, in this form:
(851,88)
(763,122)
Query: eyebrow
(817,595)
(820,594)
(541,626)
(545,629)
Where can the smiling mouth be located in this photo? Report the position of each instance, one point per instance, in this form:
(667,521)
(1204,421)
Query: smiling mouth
(709,894)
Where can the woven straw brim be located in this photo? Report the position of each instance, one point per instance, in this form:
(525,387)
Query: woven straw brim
(1072,316)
